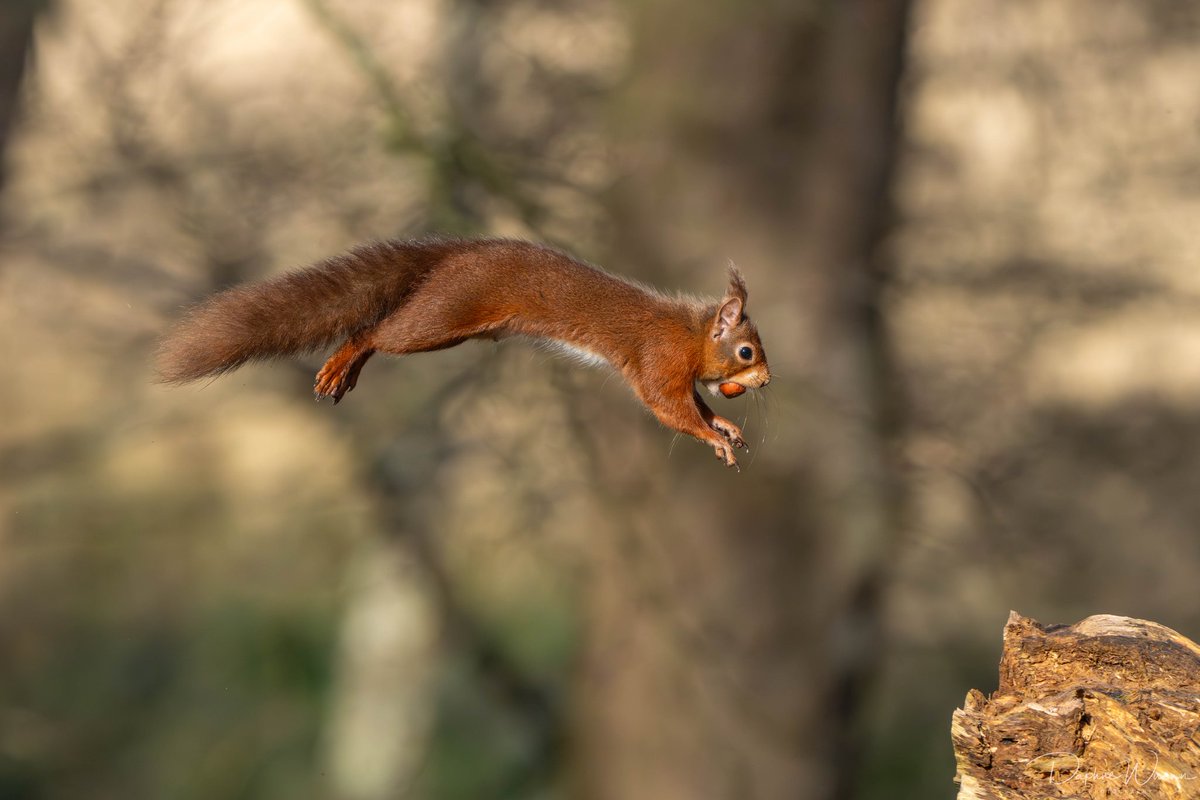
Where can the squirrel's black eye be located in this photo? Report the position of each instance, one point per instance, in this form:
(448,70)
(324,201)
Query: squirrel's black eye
(746,353)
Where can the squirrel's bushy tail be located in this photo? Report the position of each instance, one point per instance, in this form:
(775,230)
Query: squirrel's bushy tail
(294,313)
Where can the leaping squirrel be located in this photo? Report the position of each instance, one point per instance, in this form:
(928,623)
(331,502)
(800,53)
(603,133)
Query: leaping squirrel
(403,297)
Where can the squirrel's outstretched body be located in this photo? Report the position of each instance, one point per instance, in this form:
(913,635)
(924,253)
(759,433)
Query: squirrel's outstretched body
(403,297)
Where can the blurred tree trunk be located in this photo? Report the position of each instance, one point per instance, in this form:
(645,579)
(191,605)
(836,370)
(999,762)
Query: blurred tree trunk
(16,39)
(384,701)
(735,621)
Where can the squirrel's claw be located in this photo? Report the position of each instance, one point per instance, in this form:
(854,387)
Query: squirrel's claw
(725,454)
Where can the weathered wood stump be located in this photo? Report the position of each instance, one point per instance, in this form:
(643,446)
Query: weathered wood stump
(1106,708)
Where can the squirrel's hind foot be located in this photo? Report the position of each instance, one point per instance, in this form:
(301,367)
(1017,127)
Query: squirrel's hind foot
(340,373)
(332,382)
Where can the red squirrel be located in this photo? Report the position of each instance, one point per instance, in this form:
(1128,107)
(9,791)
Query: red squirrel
(403,297)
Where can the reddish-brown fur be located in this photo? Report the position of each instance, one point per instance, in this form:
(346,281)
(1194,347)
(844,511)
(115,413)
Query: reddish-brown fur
(408,297)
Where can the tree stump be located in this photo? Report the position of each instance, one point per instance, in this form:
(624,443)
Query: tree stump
(1106,708)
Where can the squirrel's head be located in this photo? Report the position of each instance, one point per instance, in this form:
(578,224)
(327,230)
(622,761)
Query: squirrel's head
(734,359)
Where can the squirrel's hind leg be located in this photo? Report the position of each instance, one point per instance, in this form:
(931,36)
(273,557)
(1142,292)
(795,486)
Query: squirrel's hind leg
(340,373)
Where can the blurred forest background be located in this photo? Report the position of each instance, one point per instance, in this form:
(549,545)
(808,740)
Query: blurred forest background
(971,234)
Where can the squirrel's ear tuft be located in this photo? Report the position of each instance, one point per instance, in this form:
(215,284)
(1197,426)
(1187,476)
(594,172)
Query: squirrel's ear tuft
(737,284)
(733,306)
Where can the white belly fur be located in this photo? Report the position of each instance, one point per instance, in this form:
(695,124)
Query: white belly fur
(577,354)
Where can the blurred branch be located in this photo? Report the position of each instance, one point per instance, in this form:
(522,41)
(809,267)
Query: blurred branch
(402,134)
(228,235)
(1083,284)
(111,78)
(456,155)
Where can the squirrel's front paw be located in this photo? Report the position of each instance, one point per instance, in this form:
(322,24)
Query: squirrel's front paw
(731,432)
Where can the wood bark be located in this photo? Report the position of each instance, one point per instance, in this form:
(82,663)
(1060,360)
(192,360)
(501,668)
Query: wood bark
(1106,708)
